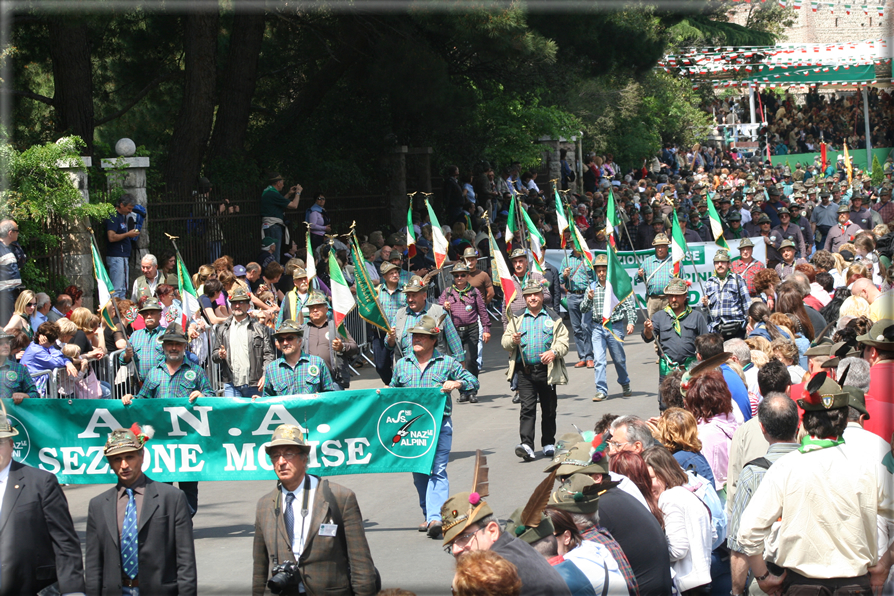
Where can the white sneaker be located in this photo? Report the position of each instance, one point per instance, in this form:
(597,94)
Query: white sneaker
(525,452)
(549,450)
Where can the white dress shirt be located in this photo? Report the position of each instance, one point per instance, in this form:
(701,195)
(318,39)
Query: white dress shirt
(301,525)
(4,476)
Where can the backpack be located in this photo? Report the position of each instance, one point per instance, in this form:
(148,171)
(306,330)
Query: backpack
(704,490)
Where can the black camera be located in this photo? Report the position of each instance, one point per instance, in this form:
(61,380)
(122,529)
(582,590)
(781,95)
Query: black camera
(283,575)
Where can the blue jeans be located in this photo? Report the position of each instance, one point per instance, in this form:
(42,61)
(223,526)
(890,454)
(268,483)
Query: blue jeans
(434,488)
(130,591)
(602,339)
(118,274)
(480,347)
(275,232)
(582,325)
(231,390)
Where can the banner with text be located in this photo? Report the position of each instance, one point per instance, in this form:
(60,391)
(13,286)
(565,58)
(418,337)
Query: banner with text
(367,431)
(698,265)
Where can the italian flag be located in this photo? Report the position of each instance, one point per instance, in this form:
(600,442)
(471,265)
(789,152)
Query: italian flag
(342,299)
(580,245)
(511,225)
(611,220)
(618,286)
(560,218)
(502,271)
(411,232)
(310,264)
(439,242)
(678,246)
(188,295)
(716,225)
(103,285)
(537,240)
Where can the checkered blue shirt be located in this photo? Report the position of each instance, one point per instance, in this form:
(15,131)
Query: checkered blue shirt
(439,369)
(310,375)
(625,310)
(657,281)
(579,277)
(728,302)
(188,378)
(391,302)
(537,335)
(147,352)
(15,378)
(448,329)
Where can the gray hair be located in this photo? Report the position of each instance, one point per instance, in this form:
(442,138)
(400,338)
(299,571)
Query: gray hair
(41,299)
(857,373)
(738,348)
(636,430)
(800,281)
(151,258)
(7,226)
(127,200)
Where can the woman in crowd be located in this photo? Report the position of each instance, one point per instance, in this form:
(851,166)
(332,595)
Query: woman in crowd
(632,465)
(86,336)
(485,573)
(593,559)
(709,400)
(22,313)
(43,354)
(759,324)
(167,268)
(678,432)
(77,297)
(687,523)
(19,344)
(786,352)
(765,284)
(171,308)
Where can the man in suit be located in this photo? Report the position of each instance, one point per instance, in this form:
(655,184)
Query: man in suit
(312,524)
(139,533)
(38,542)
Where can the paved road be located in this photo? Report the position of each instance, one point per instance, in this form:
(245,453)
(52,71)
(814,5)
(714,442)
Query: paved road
(406,558)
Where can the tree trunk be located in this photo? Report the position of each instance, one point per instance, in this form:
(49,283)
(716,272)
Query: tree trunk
(72,78)
(240,76)
(190,138)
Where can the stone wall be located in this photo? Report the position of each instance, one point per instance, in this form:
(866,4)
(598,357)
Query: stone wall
(77,262)
(824,27)
(550,167)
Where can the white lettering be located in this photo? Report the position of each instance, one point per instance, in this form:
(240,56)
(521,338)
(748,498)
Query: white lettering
(411,442)
(355,451)
(70,459)
(326,448)
(263,460)
(276,415)
(45,458)
(312,461)
(199,424)
(100,417)
(238,461)
(98,458)
(164,454)
(188,454)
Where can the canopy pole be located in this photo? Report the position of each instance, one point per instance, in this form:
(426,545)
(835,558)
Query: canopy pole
(866,123)
(751,104)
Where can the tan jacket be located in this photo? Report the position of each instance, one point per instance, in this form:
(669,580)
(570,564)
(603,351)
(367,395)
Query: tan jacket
(555,370)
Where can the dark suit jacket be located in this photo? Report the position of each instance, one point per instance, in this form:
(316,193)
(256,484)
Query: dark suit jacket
(166,554)
(38,542)
(334,565)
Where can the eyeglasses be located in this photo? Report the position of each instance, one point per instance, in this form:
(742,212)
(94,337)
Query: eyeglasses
(32,304)
(288,338)
(617,445)
(288,455)
(461,541)
(459,276)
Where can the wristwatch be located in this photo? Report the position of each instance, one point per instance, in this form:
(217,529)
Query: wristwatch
(763,577)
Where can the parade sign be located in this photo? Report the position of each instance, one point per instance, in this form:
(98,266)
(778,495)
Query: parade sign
(698,264)
(366,431)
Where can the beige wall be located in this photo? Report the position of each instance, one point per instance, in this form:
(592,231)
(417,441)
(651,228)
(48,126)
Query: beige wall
(823,27)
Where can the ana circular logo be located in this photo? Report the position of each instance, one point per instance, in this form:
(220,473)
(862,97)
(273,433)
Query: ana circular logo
(21,443)
(190,375)
(12,376)
(313,370)
(407,430)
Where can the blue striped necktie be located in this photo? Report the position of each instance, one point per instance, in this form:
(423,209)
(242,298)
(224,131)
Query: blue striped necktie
(289,518)
(129,544)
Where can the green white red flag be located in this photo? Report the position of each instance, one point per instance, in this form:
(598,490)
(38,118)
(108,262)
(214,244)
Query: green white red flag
(618,286)
(678,246)
(439,241)
(611,220)
(103,285)
(716,225)
(502,271)
(188,295)
(310,264)
(342,299)
(560,217)
(580,245)
(511,225)
(537,240)
(411,232)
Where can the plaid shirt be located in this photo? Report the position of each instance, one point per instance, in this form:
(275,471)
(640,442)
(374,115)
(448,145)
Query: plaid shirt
(602,536)
(728,302)
(391,301)
(886,211)
(625,310)
(657,274)
(580,275)
(447,328)
(747,272)
(147,352)
(537,335)
(188,378)
(437,370)
(15,378)
(309,375)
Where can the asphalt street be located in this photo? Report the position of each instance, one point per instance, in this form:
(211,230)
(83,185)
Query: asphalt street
(406,558)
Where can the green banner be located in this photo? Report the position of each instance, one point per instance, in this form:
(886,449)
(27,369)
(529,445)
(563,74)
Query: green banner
(367,431)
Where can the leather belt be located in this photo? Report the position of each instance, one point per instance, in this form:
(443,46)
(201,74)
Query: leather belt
(126,582)
(464,327)
(578,292)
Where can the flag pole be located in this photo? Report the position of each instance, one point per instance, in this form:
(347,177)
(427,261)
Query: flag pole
(112,298)
(636,258)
